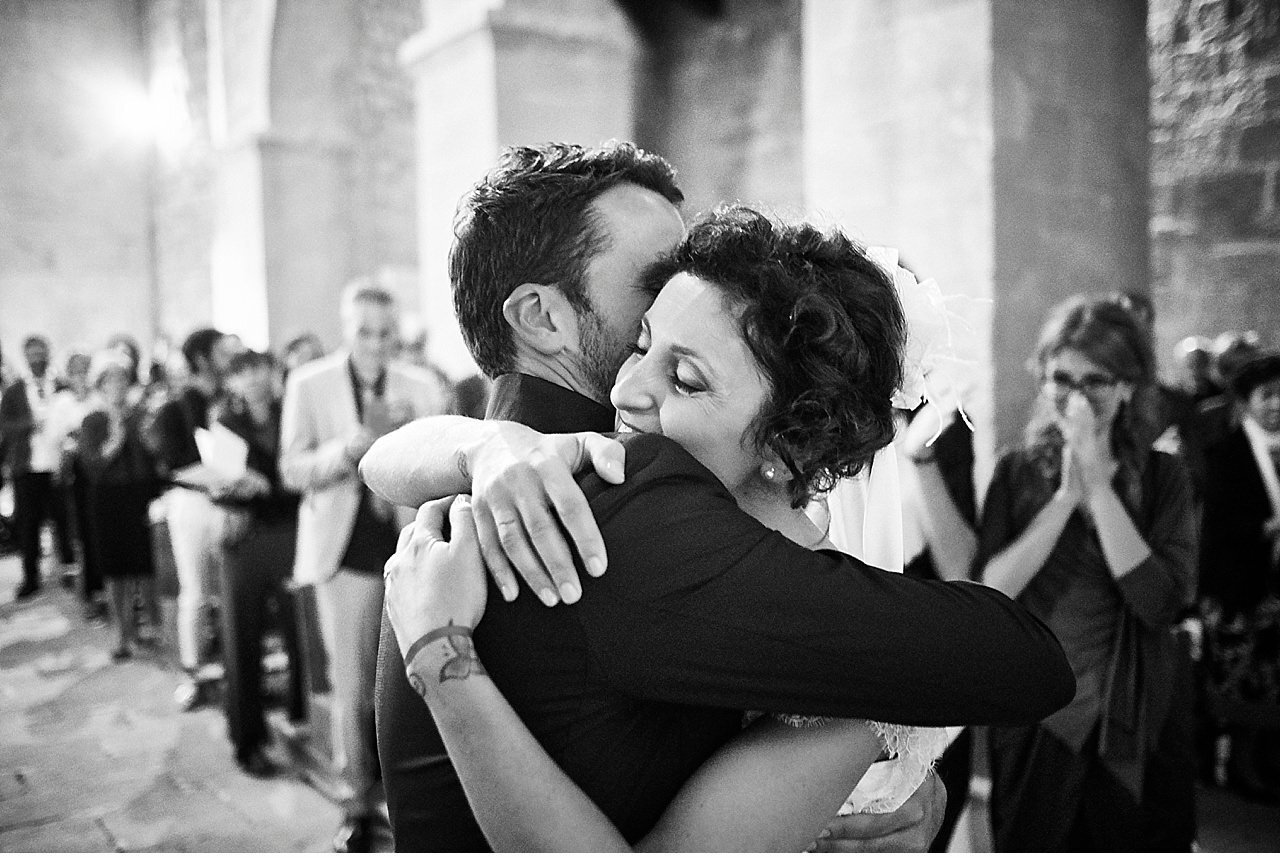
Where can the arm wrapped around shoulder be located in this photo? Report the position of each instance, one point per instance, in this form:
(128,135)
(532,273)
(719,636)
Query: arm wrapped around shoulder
(705,605)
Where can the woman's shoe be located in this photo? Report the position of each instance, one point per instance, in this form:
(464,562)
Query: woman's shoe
(354,835)
(187,695)
(257,764)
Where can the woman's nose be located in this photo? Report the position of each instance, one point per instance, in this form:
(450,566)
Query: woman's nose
(633,390)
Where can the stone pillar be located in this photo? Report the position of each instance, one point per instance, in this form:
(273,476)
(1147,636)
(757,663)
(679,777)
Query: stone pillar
(1215,168)
(311,124)
(283,237)
(493,73)
(310,234)
(718,96)
(283,218)
(239,52)
(1001,145)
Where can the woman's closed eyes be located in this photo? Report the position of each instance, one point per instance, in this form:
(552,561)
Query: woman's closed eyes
(684,380)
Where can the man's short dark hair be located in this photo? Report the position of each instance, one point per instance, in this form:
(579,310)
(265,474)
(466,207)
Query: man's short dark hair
(529,221)
(249,360)
(200,344)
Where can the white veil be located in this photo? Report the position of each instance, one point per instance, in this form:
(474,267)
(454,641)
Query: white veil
(865,521)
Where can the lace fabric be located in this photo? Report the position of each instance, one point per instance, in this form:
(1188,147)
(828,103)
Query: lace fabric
(886,785)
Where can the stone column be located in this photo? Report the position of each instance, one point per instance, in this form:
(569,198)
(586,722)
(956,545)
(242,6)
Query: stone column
(1001,145)
(284,222)
(493,73)
(239,51)
(311,126)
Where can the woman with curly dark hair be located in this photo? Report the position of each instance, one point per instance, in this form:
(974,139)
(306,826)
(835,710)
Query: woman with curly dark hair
(1094,532)
(770,355)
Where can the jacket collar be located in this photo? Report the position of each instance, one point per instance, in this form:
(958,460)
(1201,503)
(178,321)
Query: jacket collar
(546,406)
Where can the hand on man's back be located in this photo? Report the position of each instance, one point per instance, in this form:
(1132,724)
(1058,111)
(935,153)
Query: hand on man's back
(910,828)
(529,510)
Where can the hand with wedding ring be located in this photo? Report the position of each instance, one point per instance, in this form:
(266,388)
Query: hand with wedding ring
(433,582)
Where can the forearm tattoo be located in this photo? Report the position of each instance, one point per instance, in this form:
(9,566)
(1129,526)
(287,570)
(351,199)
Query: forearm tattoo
(460,460)
(462,661)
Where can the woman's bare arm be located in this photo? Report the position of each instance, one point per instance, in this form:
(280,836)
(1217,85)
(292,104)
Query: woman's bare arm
(772,788)
(952,542)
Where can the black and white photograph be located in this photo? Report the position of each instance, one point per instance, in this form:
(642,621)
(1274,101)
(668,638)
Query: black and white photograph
(690,426)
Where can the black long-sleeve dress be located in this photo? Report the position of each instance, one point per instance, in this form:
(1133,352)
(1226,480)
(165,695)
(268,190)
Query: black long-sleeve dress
(122,482)
(1239,584)
(1111,770)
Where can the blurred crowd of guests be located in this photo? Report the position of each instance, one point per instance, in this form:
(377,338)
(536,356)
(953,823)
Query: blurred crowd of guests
(1138,517)
(103,447)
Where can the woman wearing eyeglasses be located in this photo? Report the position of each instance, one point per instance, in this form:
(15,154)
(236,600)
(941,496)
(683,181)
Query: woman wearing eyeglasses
(1094,532)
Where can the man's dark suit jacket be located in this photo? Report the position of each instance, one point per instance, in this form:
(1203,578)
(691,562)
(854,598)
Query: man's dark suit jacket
(1235,552)
(172,432)
(17,424)
(704,613)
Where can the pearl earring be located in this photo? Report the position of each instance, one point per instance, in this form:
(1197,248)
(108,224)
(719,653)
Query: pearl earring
(769,472)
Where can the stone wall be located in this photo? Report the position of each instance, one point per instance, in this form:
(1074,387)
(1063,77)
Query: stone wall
(337,161)
(1215,167)
(722,98)
(91,197)
(177,57)
(493,74)
(1070,173)
(1001,145)
(898,146)
(73,173)
(382,122)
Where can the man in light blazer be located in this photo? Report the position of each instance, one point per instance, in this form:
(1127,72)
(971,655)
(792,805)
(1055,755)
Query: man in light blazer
(334,408)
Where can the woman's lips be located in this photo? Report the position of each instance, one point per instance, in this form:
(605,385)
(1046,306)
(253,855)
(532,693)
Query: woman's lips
(625,427)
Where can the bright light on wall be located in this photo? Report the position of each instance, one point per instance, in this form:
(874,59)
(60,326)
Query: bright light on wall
(124,108)
(158,115)
(170,120)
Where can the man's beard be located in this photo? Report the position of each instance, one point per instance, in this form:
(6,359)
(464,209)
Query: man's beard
(601,356)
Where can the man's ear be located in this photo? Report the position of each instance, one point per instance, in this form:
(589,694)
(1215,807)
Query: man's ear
(541,318)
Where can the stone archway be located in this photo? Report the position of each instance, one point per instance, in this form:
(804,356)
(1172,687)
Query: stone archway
(313,160)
